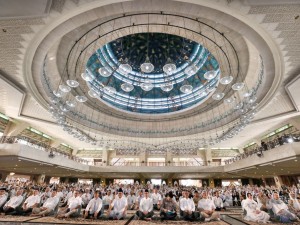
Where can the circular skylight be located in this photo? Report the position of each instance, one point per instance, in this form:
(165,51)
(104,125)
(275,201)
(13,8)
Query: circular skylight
(157,91)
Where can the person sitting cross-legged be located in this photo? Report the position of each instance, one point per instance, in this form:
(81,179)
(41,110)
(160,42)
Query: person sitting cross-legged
(48,206)
(156,199)
(207,207)
(168,208)
(280,209)
(93,209)
(187,207)
(145,211)
(253,212)
(119,205)
(10,207)
(3,197)
(74,203)
(30,203)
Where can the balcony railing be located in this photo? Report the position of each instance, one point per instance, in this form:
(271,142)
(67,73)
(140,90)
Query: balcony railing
(40,146)
(265,146)
(55,151)
(203,163)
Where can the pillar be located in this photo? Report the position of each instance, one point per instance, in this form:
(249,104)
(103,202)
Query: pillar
(250,181)
(278,181)
(74,151)
(208,157)
(169,159)
(105,158)
(143,158)
(211,183)
(3,175)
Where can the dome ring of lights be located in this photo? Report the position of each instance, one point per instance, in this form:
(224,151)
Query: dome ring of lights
(156,100)
(175,107)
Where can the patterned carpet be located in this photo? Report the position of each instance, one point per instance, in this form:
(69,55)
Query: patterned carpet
(22,220)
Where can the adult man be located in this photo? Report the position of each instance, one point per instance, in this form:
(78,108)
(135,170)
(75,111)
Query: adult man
(218,202)
(187,207)
(168,208)
(131,199)
(86,197)
(93,208)
(46,194)
(145,211)
(138,199)
(3,197)
(13,203)
(280,209)
(74,203)
(196,197)
(31,202)
(119,205)
(207,208)
(156,198)
(107,199)
(48,206)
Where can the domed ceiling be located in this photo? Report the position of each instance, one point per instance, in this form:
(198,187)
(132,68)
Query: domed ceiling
(158,91)
(116,105)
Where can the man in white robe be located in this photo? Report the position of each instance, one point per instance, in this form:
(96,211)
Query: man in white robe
(207,208)
(48,206)
(145,211)
(187,207)
(14,202)
(118,208)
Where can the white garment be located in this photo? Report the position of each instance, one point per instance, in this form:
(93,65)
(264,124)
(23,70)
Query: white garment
(119,204)
(14,201)
(107,199)
(296,203)
(156,198)
(60,195)
(218,201)
(3,199)
(253,212)
(277,206)
(86,197)
(95,205)
(146,204)
(74,202)
(131,199)
(51,202)
(206,204)
(31,200)
(187,204)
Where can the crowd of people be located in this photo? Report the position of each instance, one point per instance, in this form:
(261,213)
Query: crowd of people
(259,204)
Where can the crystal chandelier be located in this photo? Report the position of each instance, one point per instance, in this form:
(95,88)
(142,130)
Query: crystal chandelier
(127,87)
(167,87)
(104,72)
(226,80)
(186,89)
(169,67)
(210,74)
(147,66)
(147,85)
